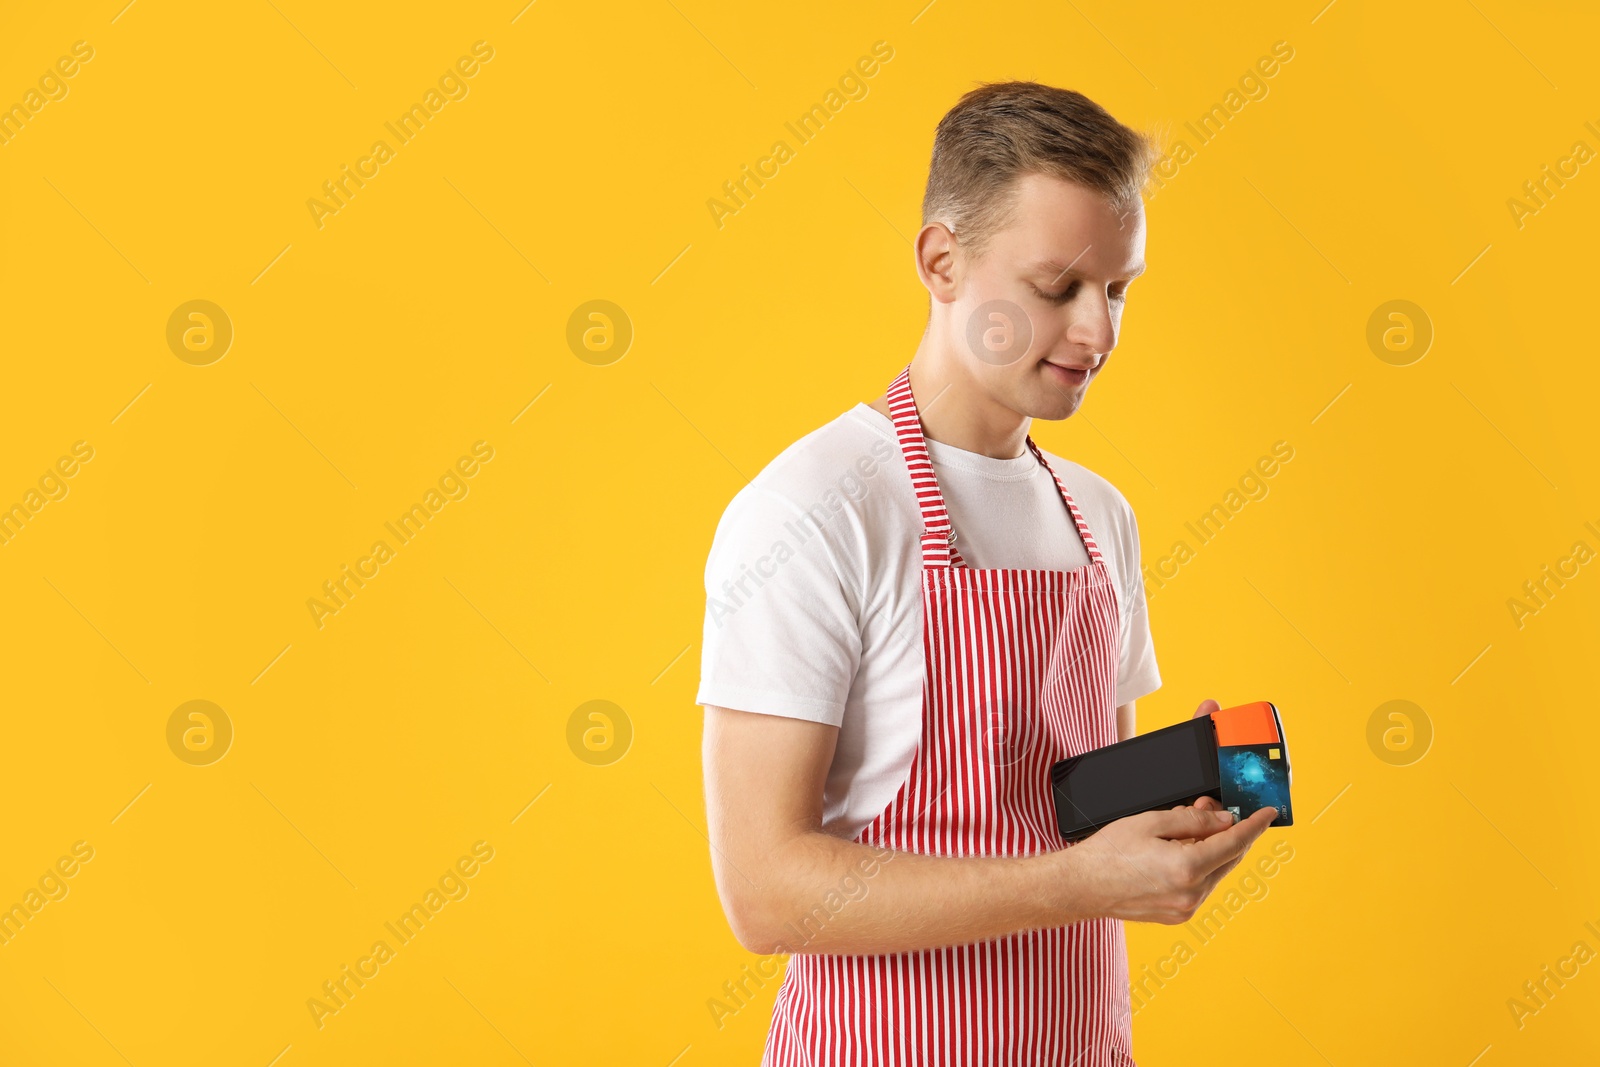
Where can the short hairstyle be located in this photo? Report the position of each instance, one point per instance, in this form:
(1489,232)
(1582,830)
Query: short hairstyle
(1000,131)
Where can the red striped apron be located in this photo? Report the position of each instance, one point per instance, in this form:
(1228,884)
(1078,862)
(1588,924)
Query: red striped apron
(1020,671)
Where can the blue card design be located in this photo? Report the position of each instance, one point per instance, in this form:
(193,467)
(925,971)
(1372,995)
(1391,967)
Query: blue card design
(1255,777)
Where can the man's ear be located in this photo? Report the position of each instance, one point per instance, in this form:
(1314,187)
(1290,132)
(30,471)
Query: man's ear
(938,261)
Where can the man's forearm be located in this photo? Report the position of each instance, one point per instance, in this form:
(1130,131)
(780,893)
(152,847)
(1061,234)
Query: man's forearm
(828,895)
(1127,721)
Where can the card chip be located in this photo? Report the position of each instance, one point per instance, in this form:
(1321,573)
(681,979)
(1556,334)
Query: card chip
(1272,753)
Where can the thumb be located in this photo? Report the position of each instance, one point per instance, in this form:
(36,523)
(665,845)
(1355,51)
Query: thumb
(1206,707)
(1187,822)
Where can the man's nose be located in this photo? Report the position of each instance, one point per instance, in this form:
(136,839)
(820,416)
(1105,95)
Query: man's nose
(1093,327)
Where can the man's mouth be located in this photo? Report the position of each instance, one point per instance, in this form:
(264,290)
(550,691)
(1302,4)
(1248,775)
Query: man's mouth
(1068,374)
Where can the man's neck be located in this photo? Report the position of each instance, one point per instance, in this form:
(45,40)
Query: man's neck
(953,409)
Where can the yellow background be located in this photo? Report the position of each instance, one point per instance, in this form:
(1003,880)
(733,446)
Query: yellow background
(368,354)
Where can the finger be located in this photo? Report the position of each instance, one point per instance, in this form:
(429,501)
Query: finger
(1206,707)
(1220,873)
(1233,842)
(1209,884)
(1186,821)
(1185,840)
(1206,802)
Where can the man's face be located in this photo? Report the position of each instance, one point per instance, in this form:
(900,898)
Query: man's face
(1039,312)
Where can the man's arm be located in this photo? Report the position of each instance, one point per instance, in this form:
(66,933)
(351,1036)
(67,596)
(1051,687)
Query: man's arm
(1127,724)
(788,886)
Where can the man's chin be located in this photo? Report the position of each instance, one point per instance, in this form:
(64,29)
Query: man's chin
(1056,404)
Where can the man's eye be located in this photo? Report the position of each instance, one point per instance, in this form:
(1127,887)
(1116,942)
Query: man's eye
(1070,291)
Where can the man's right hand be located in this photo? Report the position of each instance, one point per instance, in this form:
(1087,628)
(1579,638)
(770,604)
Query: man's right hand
(788,886)
(1158,866)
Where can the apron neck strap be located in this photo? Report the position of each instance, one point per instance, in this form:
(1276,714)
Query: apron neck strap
(938,535)
(1089,545)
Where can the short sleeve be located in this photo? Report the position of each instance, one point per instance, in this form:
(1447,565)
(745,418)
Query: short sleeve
(781,634)
(1137,674)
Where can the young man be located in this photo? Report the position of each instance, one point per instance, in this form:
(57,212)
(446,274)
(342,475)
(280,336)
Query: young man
(913,612)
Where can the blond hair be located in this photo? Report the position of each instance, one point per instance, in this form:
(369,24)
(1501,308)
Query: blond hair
(1000,131)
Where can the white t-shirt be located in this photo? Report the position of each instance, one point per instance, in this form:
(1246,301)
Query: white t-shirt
(814,584)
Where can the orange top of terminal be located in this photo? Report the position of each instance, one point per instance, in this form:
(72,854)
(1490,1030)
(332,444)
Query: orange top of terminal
(1247,724)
